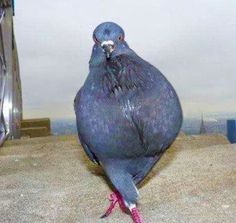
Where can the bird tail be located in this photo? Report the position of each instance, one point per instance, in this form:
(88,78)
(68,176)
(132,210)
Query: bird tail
(122,181)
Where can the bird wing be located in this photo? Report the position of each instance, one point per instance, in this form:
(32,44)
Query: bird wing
(144,166)
(85,146)
(138,75)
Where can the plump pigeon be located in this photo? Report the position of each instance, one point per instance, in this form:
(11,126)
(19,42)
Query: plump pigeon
(127,115)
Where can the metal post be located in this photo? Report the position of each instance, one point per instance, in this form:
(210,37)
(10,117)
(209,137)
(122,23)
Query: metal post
(10,84)
(231,130)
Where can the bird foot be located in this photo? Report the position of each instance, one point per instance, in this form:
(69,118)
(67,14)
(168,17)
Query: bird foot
(114,198)
(135,215)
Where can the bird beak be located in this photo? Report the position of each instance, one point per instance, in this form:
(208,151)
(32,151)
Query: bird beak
(108,48)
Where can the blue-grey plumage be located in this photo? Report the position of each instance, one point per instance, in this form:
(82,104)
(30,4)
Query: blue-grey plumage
(127,112)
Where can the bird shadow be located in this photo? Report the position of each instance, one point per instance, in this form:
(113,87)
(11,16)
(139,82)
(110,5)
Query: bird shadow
(93,168)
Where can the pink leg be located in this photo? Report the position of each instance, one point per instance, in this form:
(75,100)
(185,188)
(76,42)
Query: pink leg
(135,215)
(120,201)
(114,198)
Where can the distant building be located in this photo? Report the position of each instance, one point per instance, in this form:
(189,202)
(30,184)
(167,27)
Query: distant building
(202,127)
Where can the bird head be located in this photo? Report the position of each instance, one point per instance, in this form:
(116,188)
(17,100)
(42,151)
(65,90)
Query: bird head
(109,41)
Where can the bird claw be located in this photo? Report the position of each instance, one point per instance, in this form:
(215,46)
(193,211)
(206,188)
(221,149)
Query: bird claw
(114,198)
(103,216)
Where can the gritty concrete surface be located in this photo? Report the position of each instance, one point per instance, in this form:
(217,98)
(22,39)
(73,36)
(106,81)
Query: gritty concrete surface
(51,180)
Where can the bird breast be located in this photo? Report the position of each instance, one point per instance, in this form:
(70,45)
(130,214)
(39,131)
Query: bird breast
(127,109)
(122,76)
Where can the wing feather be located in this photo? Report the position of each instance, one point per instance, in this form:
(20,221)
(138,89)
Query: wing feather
(85,146)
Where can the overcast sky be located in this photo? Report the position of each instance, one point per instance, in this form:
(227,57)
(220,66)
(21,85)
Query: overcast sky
(193,42)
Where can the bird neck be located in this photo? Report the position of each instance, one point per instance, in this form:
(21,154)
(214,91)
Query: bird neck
(121,75)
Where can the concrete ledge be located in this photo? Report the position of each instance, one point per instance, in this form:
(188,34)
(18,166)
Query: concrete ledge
(35,132)
(199,141)
(35,127)
(50,180)
(37,122)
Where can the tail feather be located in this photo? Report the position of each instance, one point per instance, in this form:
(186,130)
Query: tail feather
(122,181)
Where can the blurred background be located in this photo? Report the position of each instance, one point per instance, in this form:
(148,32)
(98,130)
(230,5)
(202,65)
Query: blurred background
(192,42)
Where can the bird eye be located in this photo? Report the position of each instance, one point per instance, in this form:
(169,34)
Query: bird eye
(121,37)
(95,39)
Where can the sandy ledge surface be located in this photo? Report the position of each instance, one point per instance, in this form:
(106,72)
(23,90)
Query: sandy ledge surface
(51,180)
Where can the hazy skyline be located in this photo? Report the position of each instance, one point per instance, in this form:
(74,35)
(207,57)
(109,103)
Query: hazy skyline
(191,41)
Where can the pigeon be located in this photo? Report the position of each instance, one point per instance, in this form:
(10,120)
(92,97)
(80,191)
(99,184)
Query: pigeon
(127,114)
